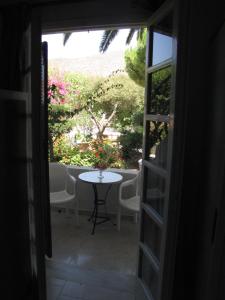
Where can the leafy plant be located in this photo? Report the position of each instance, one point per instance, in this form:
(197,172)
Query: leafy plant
(60,112)
(131,143)
(135,61)
(106,154)
(80,159)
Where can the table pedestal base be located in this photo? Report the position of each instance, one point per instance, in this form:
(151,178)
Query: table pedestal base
(95,214)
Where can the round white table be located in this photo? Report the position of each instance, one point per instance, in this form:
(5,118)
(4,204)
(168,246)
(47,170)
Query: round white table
(95,178)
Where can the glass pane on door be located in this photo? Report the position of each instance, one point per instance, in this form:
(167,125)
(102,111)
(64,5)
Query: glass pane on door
(149,276)
(162,40)
(157,143)
(151,235)
(160,91)
(162,47)
(154,192)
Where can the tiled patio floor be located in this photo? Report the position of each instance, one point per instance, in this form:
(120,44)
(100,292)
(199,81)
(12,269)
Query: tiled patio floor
(85,266)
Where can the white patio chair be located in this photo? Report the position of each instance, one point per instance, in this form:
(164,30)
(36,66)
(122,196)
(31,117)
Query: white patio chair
(62,188)
(133,202)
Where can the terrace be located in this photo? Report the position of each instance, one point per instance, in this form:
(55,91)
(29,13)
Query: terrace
(103,264)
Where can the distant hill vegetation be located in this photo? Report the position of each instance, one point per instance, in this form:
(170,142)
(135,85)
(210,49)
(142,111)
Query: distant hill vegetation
(98,65)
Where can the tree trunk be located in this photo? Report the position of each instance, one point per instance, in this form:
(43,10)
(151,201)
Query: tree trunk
(100,135)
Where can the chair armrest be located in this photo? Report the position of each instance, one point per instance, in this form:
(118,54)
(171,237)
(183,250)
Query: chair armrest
(127,183)
(71,184)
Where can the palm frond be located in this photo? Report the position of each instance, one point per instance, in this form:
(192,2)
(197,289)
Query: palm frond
(130,35)
(107,37)
(140,32)
(66,36)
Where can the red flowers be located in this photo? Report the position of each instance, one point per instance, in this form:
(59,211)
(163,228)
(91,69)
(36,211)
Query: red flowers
(106,154)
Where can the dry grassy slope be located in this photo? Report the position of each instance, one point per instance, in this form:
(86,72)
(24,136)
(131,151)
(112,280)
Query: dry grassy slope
(99,65)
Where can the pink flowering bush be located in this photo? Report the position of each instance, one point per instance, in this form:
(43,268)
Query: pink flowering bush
(57,91)
(61,110)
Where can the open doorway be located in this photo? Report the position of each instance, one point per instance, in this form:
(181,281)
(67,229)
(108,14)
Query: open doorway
(94,101)
(156,168)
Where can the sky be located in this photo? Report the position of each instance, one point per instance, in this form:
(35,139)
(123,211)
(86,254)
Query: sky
(82,44)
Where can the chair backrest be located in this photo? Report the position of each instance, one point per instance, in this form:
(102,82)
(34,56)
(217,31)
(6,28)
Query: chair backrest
(57,177)
(130,187)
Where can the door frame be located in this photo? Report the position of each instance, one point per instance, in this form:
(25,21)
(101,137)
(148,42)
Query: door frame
(179,141)
(36,108)
(175,209)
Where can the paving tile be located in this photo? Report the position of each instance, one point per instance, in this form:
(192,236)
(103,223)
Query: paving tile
(97,293)
(55,281)
(106,279)
(120,282)
(67,298)
(92,267)
(73,290)
(53,291)
(107,250)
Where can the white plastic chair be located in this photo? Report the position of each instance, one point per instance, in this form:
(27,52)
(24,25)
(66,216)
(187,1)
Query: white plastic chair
(132,203)
(62,188)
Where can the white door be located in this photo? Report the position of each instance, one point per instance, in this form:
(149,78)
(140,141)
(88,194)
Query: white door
(157,232)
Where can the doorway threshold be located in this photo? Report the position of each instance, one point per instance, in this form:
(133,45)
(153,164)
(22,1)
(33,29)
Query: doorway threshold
(66,282)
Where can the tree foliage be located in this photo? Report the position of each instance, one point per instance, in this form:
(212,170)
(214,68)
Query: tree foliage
(107,101)
(135,61)
(60,112)
(116,101)
(119,97)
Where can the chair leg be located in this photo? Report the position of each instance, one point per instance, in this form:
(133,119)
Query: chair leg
(118,218)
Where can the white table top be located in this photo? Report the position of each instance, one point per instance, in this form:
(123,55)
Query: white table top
(92,177)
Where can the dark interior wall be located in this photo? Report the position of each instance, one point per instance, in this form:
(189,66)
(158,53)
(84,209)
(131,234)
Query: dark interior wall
(89,14)
(191,276)
(15,233)
(77,14)
(15,249)
(14,21)
(1,25)
(208,275)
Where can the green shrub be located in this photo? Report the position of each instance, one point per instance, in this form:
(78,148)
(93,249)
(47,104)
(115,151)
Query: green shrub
(85,158)
(71,155)
(131,143)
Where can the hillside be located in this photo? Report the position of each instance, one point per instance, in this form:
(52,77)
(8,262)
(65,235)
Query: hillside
(100,64)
